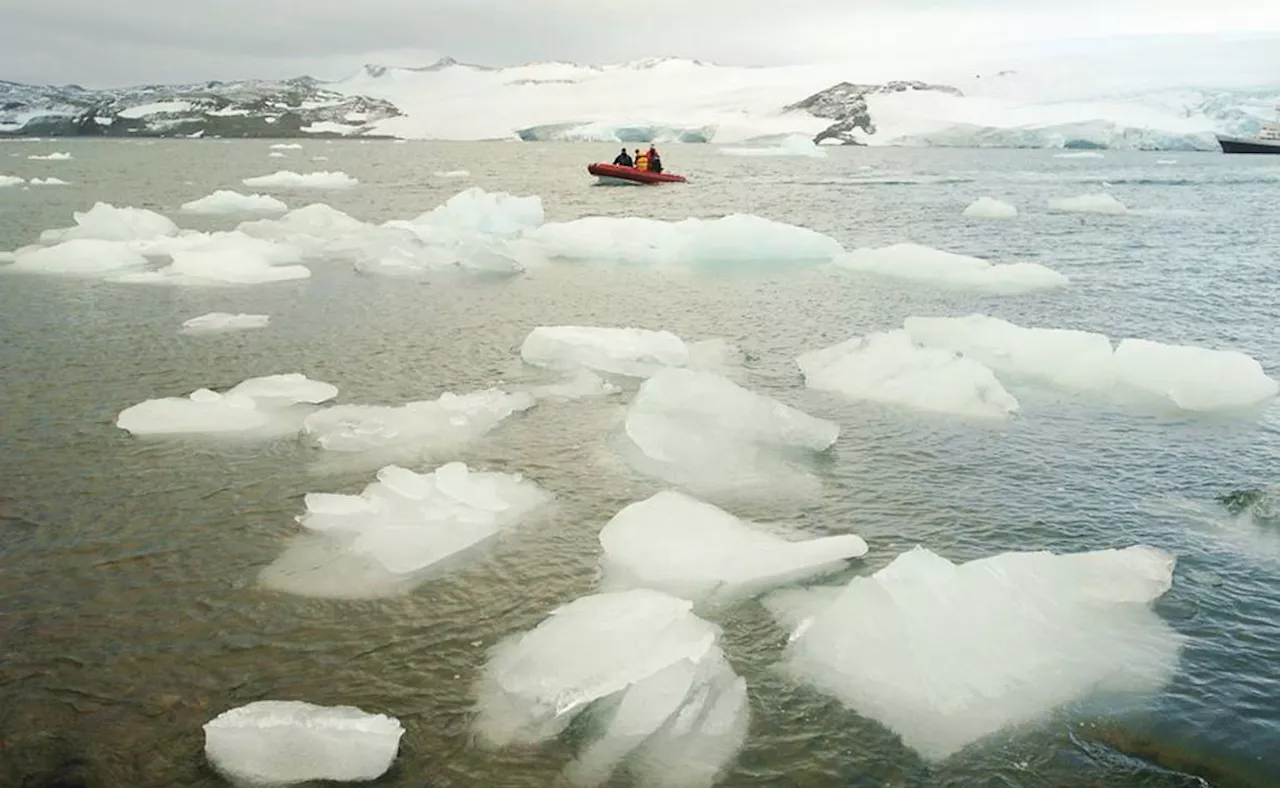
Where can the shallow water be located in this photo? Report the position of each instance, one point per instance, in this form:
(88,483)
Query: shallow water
(130,612)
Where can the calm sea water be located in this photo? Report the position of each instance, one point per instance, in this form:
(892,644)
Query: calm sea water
(129,609)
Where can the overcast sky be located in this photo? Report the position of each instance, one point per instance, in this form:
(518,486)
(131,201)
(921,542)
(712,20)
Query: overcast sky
(114,42)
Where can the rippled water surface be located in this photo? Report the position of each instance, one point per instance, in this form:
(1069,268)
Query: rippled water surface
(130,612)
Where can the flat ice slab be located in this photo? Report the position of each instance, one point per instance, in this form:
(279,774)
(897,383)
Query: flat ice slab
(658,694)
(224,321)
(273,404)
(225,201)
(635,352)
(106,222)
(951,271)
(287,179)
(674,543)
(279,743)
(945,654)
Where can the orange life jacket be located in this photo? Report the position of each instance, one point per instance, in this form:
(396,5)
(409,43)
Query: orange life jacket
(642,162)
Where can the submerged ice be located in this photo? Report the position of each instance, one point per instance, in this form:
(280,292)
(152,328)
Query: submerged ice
(1089,203)
(279,743)
(990,208)
(397,531)
(634,352)
(224,321)
(674,543)
(274,404)
(945,654)
(954,271)
(647,675)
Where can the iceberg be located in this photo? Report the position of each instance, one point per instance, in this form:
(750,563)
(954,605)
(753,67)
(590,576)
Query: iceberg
(891,368)
(224,321)
(429,426)
(610,131)
(735,240)
(265,406)
(79,257)
(945,654)
(658,694)
(52,157)
(399,530)
(232,258)
(990,208)
(674,543)
(480,212)
(953,271)
(633,352)
(793,145)
(105,222)
(279,743)
(286,179)
(702,431)
(1089,203)
(224,201)
(1185,377)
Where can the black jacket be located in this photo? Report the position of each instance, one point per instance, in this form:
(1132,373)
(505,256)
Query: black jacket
(624,160)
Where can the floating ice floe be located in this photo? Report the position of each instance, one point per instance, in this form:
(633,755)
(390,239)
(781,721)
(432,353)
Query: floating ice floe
(52,157)
(279,743)
(735,240)
(635,352)
(10,180)
(794,145)
(704,432)
(48,182)
(453,174)
(286,146)
(1089,203)
(79,257)
(677,544)
(225,201)
(944,654)
(261,407)
(424,427)
(891,368)
(275,154)
(286,179)
(945,269)
(105,222)
(399,531)
(224,321)
(1186,377)
(990,208)
(658,695)
(221,259)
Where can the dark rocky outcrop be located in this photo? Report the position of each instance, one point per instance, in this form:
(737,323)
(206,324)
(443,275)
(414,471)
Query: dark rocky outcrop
(846,104)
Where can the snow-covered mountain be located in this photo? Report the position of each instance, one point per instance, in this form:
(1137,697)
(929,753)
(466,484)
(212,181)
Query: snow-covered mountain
(1152,95)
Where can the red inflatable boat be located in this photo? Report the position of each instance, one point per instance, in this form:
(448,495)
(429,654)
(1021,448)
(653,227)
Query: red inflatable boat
(612,173)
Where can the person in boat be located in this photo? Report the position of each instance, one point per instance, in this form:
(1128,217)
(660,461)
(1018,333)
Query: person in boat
(642,161)
(655,161)
(624,159)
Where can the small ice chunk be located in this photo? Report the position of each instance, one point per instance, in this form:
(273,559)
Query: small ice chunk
(286,146)
(1089,203)
(661,697)
(990,208)
(10,180)
(46,182)
(224,201)
(52,157)
(106,222)
(267,405)
(279,743)
(431,425)
(286,179)
(275,154)
(635,352)
(946,654)
(1193,378)
(891,368)
(224,321)
(453,174)
(79,257)
(677,544)
(945,269)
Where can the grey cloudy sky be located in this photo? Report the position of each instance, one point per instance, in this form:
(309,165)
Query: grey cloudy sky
(92,42)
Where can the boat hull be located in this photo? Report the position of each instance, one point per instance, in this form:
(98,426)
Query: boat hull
(612,173)
(1238,145)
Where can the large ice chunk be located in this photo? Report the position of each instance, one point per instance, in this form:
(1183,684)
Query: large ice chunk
(224,201)
(79,257)
(399,529)
(946,654)
(287,179)
(224,321)
(233,258)
(635,352)
(702,431)
(475,210)
(1089,203)
(1192,378)
(737,239)
(10,180)
(946,269)
(659,692)
(56,156)
(674,543)
(891,368)
(278,743)
(990,208)
(105,222)
(428,426)
(274,404)
(792,145)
